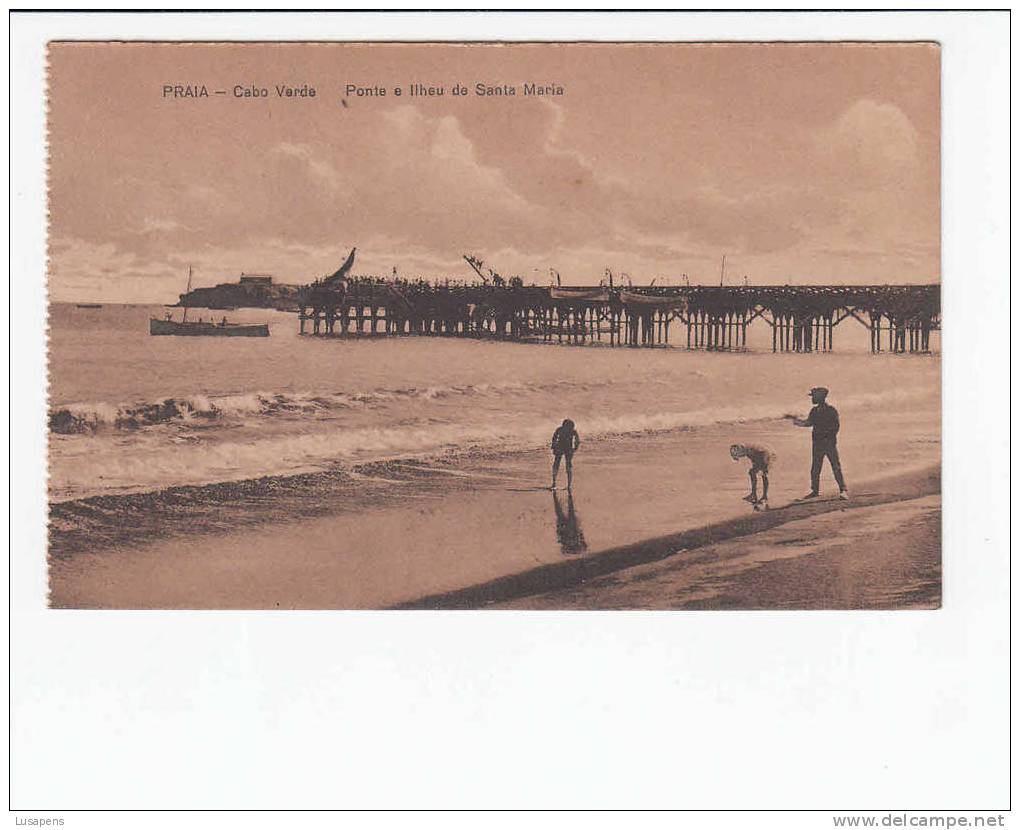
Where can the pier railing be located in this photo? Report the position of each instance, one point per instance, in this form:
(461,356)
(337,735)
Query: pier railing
(899,318)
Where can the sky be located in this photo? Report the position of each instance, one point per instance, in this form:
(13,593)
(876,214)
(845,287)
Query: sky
(801,163)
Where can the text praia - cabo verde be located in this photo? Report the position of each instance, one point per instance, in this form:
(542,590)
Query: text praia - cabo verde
(239,91)
(413,90)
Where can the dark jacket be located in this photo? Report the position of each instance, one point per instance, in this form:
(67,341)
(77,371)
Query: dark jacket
(824,420)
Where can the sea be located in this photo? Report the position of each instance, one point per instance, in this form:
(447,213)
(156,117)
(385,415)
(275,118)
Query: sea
(133,413)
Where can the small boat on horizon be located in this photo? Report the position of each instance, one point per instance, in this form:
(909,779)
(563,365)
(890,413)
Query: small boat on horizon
(88,305)
(203,328)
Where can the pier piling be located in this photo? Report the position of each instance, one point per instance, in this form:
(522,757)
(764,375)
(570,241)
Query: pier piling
(715,318)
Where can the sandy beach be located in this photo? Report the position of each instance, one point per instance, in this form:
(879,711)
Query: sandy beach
(305,307)
(450,533)
(874,554)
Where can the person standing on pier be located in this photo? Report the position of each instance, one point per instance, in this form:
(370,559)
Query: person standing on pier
(824,422)
(565,442)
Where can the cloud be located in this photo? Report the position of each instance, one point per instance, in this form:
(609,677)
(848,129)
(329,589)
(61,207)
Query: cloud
(160,225)
(427,175)
(416,188)
(83,270)
(873,140)
(318,169)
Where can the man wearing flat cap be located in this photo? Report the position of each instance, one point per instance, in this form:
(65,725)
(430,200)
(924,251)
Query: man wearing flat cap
(824,422)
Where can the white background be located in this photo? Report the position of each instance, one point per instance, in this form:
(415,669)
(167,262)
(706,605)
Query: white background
(829,711)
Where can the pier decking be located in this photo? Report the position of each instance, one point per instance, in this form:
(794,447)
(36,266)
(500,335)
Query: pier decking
(900,318)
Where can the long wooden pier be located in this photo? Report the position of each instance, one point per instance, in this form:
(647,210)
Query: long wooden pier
(899,318)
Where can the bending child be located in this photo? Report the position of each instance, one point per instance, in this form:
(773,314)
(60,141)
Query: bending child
(761,459)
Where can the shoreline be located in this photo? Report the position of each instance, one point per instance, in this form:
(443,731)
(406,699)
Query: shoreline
(385,534)
(339,561)
(884,557)
(559,577)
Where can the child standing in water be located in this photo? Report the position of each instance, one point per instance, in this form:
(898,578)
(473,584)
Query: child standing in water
(565,442)
(761,459)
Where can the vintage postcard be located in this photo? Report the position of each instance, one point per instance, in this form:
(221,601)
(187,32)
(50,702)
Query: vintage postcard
(510,326)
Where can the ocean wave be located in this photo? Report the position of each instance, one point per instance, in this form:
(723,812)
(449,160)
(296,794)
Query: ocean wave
(155,467)
(85,418)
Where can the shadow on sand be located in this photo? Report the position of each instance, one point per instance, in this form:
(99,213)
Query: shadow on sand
(575,570)
(568,528)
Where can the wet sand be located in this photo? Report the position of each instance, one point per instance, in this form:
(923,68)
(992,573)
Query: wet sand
(885,556)
(409,533)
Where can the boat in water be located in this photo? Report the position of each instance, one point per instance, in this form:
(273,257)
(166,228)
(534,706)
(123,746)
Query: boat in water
(207,328)
(89,305)
(204,328)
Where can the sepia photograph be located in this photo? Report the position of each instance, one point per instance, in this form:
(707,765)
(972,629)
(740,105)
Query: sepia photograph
(494,411)
(494,326)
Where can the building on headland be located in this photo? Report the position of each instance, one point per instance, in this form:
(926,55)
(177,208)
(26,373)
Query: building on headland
(250,291)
